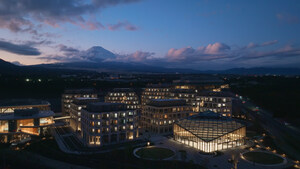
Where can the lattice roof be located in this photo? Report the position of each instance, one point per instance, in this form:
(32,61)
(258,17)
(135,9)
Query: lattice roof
(209,125)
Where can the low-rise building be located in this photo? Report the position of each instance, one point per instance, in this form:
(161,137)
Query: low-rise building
(124,95)
(69,95)
(108,123)
(218,102)
(8,106)
(75,111)
(158,115)
(22,124)
(209,132)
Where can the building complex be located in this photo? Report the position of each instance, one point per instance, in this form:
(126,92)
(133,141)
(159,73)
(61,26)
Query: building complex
(23,124)
(157,91)
(69,95)
(209,132)
(108,123)
(75,111)
(8,106)
(158,115)
(186,92)
(218,102)
(124,95)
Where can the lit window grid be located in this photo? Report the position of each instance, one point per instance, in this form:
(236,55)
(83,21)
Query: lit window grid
(112,128)
(210,139)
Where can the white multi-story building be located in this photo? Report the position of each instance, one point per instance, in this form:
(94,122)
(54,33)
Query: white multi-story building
(158,91)
(108,123)
(124,95)
(69,95)
(75,111)
(158,115)
(218,102)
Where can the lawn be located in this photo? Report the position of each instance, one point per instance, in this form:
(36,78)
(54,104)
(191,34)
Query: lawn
(155,153)
(117,159)
(263,158)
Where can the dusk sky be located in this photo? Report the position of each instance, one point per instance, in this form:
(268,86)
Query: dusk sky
(196,34)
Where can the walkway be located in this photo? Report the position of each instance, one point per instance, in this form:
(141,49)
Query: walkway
(209,161)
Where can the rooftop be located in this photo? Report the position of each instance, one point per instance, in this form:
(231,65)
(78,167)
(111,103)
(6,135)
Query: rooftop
(22,102)
(85,100)
(209,125)
(216,94)
(26,114)
(79,91)
(122,90)
(158,86)
(166,102)
(105,107)
(183,91)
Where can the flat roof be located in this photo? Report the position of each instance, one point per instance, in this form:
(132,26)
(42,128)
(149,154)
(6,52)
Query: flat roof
(164,85)
(166,102)
(216,94)
(23,102)
(80,91)
(85,100)
(105,107)
(13,116)
(122,90)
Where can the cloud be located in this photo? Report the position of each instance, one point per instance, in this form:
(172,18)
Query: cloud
(138,56)
(288,18)
(282,53)
(126,25)
(64,48)
(70,54)
(21,49)
(30,15)
(210,52)
(267,43)
(213,55)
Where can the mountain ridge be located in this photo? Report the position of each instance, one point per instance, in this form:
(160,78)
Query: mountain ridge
(121,67)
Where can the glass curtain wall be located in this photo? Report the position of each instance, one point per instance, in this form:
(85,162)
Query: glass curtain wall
(229,140)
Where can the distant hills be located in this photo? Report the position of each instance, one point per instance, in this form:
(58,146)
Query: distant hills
(257,71)
(120,67)
(8,68)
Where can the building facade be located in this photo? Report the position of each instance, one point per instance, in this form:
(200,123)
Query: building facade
(75,111)
(8,106)
(218,102)
(124,95)
(158,91)
(185,92)
(22,124)
(108,123)
(158,115)
(209,132)
(69,95)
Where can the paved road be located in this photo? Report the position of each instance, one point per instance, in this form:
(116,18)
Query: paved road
(286,138)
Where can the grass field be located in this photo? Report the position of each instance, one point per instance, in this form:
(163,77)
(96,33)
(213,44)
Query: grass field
(156,153)
(122,159)
(263,158)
